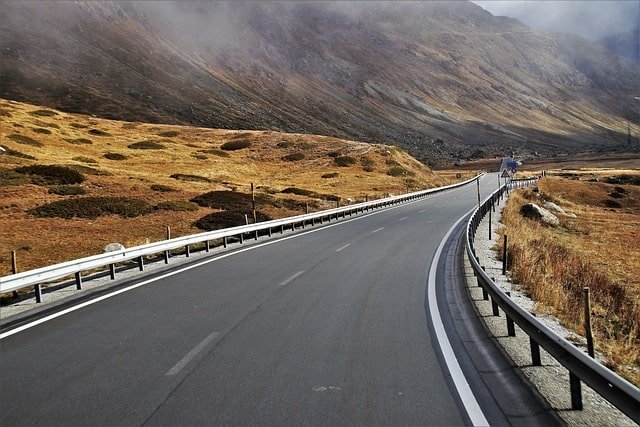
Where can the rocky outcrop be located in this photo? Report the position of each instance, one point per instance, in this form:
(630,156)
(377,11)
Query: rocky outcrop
(535,212)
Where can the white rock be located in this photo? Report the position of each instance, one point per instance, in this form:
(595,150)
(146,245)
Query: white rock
(112,247)
(533,211)
(554,207)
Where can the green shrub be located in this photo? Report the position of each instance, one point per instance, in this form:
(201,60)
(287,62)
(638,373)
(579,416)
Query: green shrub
(67,190)
(78,141)
(84,159)
(293,157)
(344,161)
(25,140)
(146,145)
(230,200)
(42,131)
(114,156)
(162,188)
(398,171)
(235,145)
(331,175)
(169,133)
(99,132)
(51,174)
(188,177)
(16,153)
(93,207)
(177,205)
(215,152)
(9,177)
(367,164)
(226,219)
(43,113)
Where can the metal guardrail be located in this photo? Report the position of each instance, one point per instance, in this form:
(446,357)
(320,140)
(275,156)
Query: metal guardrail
(619,392)
(43,275)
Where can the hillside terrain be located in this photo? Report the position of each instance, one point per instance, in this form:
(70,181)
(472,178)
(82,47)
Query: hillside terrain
(70,184)
(446,81)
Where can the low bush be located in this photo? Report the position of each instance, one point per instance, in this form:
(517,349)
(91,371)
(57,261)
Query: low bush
(293,157)
(215,152)
(226,219)
(16,153)
(169,133)
(188,177)
(42,131)
(235,145)
(93,207)
(67,190)
(99,132)
(43,113)
(230,200)
(162,188)
(309,193)
(9,177)
(334,154)
(285,144)
(344,161)
(84,159)
(51,174)
(611,203)
(199,156)
(391,162)
(624,179)
(331,175)
(398,171)
(78,125)
(177,205)
(79,141)
(88,170)
(367,164)
(25,140)
(114,156)
(146,145)
(129,125)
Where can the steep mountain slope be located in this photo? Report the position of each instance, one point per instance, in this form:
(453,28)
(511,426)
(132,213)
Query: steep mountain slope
(443,80)
(625,44)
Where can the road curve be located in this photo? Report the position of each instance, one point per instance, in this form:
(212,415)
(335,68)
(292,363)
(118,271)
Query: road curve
(326,327)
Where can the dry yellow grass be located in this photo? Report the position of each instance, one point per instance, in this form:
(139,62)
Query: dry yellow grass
(69,139)
(599,248)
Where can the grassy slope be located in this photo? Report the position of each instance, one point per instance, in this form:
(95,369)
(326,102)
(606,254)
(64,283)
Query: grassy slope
(43,241)
(600,248)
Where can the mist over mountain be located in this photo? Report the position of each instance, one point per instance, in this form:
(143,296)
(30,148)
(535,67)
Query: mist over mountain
(443,80)
(625,44)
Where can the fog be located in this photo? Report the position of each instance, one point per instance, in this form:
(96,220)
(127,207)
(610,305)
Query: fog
(591,19)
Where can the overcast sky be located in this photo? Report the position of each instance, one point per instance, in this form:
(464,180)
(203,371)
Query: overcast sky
(591,19)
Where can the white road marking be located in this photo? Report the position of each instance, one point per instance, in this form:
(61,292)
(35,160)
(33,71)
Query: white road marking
(343,247)
(325,388)
(377,229)
(421,210)
(291,278)
(196,265)
(462,386)
(403,218)
(192,354)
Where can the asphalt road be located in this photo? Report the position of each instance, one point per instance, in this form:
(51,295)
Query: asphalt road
(328,326)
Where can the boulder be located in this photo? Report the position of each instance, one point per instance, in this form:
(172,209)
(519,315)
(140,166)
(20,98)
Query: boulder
(552,206)
(533,211)
(112,247)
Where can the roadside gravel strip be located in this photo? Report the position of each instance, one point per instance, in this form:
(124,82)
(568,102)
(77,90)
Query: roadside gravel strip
(551,379)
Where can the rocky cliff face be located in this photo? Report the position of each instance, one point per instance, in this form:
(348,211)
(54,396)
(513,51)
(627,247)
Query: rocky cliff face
(443,80)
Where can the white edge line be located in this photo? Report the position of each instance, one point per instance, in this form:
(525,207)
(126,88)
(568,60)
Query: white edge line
(192,354)
(181,270)
(291,278)
(343,247)
(377,229)
(462,386)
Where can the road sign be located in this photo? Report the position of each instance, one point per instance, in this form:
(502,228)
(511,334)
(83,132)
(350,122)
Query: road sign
(505,174)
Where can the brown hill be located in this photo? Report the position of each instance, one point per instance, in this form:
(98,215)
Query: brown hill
(63,177)
(442,80)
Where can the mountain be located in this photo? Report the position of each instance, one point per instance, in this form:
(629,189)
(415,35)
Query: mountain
(442,80)
(624,44)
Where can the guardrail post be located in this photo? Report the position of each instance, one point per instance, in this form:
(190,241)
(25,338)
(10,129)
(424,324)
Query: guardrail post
(14,268)
(241,237)
(37,289)
(270,231)
(166,257)
(112,271)
(207,246)
(535,352)
(256,235)
(78,281)
(504,255)
(224,241)
(282,229)
(587,320)
(141,263)
(187,251)
(303,224)
(168,232)
(576,392)
(511,331)
(489,224)
(494,307)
